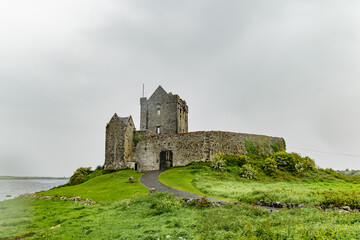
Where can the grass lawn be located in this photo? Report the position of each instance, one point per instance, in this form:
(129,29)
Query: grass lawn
(180,178)
(108,187)
(161,216)
(205,181)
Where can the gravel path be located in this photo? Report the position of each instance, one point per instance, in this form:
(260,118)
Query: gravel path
(151,180)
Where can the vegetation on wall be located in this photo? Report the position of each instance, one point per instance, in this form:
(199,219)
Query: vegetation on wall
(250,147)
(136,140)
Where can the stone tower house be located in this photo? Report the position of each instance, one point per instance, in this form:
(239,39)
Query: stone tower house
(119,142)
(163,113)
(164,141)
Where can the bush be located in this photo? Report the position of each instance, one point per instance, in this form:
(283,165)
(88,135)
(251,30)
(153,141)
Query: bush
(309,163)
(80,175)
(232,160)
(218,162)
(248,172)
(270,166)
(99,167)
(285,160)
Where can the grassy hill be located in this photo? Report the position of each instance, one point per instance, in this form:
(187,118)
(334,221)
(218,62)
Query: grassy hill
(313,186)
(161,216)
(103,188)
(130,213)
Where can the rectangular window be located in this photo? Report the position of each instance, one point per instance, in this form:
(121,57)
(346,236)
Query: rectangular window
(158,111)
(158,129)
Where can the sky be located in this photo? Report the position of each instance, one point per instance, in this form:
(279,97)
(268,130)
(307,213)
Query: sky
(279,68)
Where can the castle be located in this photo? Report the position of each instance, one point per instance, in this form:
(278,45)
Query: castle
(163,140)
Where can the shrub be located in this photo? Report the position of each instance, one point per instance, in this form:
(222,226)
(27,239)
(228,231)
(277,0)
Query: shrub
(309,163)
(285,160)
(80,175)
(99,167)
(218,162)
(270,166)
(232,160)
(248,172)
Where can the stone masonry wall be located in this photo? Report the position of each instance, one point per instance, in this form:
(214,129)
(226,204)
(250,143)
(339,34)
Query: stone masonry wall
(198,146)
(128,142)
(114,144)
(172,116)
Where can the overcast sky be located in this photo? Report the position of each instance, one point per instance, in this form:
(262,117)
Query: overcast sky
(280,68)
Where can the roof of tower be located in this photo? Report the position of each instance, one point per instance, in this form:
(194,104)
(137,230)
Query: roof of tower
(125,119)
(159,91)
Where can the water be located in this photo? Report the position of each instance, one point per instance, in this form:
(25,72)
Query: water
(13,188)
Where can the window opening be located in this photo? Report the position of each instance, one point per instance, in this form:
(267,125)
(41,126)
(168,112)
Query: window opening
(158,129)
(158,109)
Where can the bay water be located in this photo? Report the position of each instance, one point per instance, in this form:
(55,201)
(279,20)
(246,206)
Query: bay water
(13,188)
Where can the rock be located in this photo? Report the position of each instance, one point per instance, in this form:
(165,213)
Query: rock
(346,208)
(57,226)
(301,205)
(131,180)
(152,190)
(283,205)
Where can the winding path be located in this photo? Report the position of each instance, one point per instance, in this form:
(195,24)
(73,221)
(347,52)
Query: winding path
(151,180)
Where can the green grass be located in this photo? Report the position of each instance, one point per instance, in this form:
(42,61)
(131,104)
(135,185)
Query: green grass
(180,178)
(161,216)
(108,187)
(310,188)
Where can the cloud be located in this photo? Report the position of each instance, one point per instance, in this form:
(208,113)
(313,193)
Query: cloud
(281,68)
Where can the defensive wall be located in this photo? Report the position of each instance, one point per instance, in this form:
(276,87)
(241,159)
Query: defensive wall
(198,146)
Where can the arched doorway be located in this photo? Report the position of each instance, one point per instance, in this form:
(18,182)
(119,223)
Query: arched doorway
(166,160)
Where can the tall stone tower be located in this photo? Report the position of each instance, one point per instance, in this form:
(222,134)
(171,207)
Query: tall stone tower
(119,142)
(164,113)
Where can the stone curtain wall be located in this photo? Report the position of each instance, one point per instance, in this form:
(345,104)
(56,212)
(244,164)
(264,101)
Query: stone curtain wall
(199,146)
(235,143)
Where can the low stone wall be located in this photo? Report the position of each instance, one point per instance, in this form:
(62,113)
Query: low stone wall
(199,146)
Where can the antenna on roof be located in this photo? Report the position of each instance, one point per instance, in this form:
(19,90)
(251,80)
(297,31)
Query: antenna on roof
(143,90)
